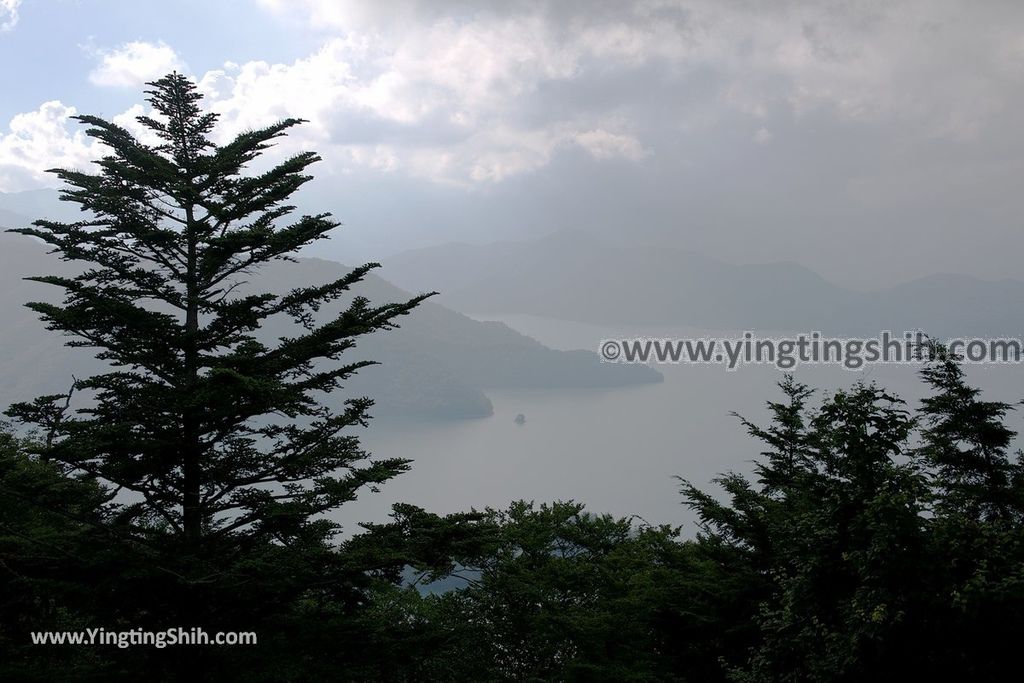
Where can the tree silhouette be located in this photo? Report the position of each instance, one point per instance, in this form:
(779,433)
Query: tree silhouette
(218,451)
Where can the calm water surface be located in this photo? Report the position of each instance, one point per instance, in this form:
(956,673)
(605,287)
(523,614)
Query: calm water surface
(617,450)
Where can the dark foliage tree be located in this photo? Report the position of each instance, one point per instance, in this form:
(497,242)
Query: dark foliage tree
(216,452)
(829,540)
(875,543)
(966,447)
(562,594)
(48,538)
(975,528)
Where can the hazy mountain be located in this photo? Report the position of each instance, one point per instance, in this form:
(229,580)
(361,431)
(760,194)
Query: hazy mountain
(572,276)
(10,218)
(439,363)
(32,204)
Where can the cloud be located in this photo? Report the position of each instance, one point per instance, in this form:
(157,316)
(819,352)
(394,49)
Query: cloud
(496,118)
(475,93)
(439,103)
(539,68)
(39,140)
(135,63)
(763,136)
(8,14)
(605,145)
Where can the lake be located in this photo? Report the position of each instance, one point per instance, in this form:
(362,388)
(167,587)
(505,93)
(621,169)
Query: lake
(617,450)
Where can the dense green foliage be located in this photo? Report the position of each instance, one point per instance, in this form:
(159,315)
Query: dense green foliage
(212,454)
(874,543)
(188,486)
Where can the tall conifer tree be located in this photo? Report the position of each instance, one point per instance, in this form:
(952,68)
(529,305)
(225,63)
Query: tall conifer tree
(210,441)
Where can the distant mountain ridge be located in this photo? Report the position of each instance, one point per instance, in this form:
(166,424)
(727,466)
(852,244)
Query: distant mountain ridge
(10,218)
(438,364)
(572,276)
(29,205)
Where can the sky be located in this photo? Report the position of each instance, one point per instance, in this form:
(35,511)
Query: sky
(874,142)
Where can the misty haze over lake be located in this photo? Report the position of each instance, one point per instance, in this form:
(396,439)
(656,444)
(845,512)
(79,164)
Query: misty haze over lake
(618,450)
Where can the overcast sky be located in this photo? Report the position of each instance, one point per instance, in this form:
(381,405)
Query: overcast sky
(871,141)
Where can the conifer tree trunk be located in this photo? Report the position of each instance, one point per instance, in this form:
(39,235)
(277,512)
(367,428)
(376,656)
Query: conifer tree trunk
(190,451)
